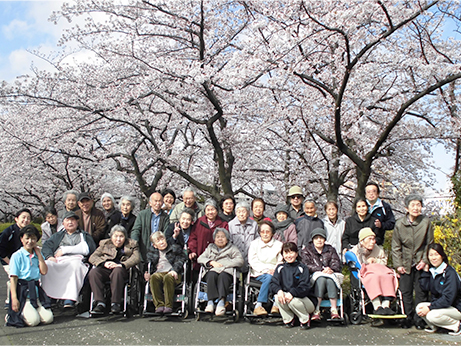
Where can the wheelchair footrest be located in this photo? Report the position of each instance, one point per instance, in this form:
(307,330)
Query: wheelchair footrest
(388,317)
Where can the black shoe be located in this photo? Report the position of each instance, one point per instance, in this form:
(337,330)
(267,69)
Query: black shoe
(115,308)
(420,325)
(406,324)
(290,324)
(306,325)
(389,311)
(380,311)
(99,309)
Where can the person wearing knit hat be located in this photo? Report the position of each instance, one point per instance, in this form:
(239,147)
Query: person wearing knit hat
(295,198)
(366,232)
(285,228)
(325,266)
(319,231)
(410,240)
(378,280)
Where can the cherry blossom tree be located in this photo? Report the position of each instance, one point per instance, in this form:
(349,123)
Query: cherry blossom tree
(368,77)
(229,96)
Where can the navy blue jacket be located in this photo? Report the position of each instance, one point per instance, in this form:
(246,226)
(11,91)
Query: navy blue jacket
(294,278)
(9,241)
(387,219)
(444,288)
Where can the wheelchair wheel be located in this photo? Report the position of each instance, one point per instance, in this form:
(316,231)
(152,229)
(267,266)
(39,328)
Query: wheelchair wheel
(235,316)
(346,320)
(191,299)
(356,318)
(197,316)
(185,314)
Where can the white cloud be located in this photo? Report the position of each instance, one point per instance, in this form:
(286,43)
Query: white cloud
(20,61)
(15,29)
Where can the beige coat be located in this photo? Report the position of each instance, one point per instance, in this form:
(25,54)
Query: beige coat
(230,257)
(410,241)
(107,252)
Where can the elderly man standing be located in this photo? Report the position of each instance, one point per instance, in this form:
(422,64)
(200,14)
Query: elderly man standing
(385,220)
(91,219)
(189,201)
(150,221)
(65,252)
(296,198)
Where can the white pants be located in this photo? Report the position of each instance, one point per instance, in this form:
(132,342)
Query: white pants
(300,307)
(33,317)
(448,318)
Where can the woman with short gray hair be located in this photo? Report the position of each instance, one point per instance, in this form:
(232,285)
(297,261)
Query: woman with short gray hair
(112,259)
(124,216)
(410,240)
(70,202)
(219,259)
(108,205)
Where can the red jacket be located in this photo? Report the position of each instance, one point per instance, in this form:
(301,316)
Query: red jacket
(201,235)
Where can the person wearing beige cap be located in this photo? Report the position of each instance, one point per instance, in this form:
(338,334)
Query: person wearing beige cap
(379,281)
(296,198)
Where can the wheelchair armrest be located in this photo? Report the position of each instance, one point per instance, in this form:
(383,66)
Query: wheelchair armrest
(352,266)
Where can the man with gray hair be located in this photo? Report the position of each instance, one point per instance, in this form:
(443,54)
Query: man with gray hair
(189,201)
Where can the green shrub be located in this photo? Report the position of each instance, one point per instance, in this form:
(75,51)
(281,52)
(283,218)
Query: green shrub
(6,225)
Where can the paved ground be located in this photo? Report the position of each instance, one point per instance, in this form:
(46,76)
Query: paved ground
(68,330)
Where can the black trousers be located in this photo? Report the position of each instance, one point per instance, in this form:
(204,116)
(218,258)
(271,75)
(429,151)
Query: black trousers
(409,283)
(218,284)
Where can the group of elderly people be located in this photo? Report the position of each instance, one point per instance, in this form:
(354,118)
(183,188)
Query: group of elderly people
(296,256)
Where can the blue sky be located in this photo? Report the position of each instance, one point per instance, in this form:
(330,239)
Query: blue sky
(24,27)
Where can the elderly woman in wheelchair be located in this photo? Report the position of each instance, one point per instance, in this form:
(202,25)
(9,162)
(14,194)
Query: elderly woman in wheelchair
(325,267)
(379,281)
(219,259)
(263,256)
(112,261)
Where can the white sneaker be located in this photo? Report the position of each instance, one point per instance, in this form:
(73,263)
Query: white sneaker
(209,308)
(220,310)
(458,332)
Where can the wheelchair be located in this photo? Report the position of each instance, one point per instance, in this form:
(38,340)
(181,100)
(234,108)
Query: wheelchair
(181,300)
(325,307)
(359,307)
(200,299)
(131,296)
(251,289)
